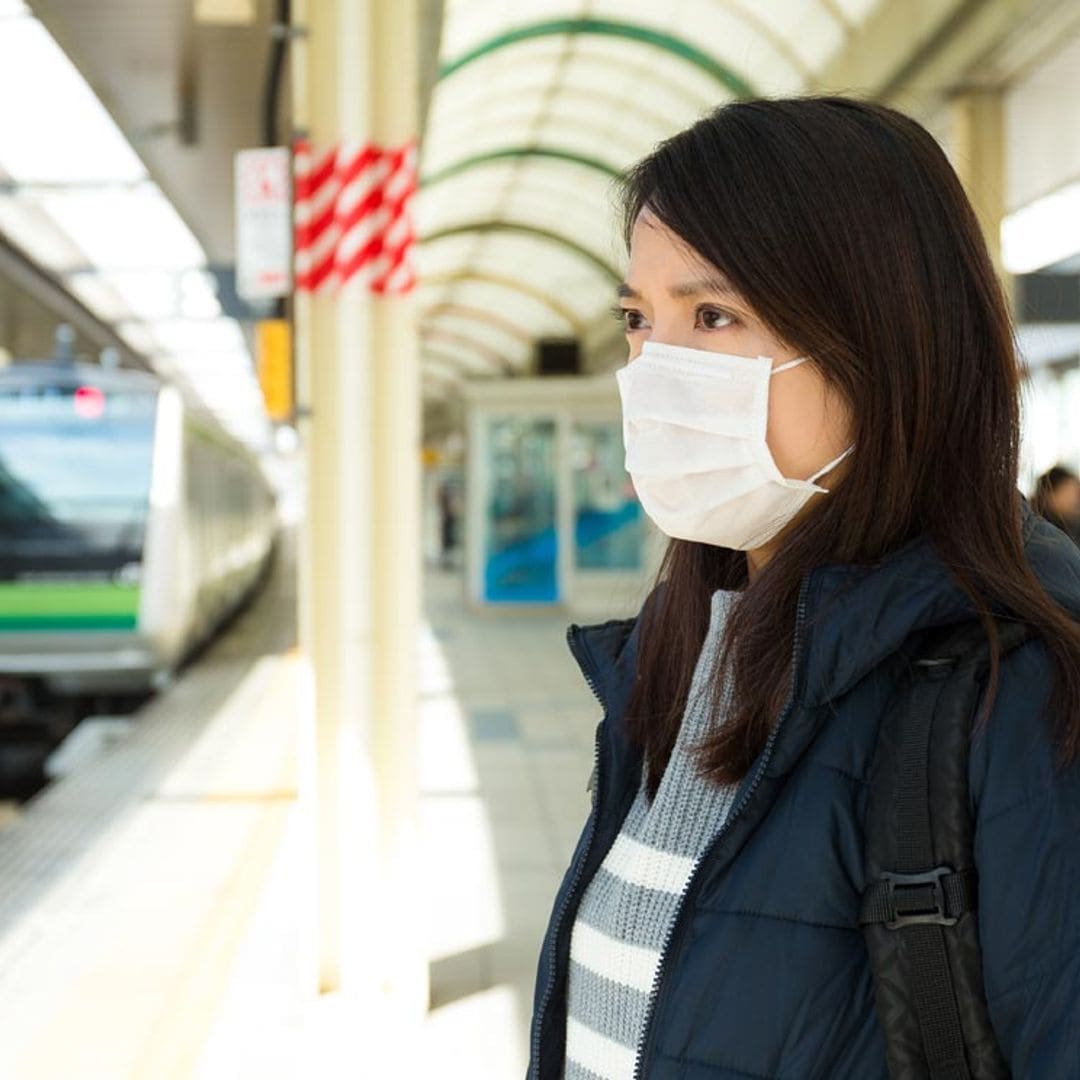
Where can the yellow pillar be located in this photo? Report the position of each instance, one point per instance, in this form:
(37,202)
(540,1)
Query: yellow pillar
(354,78)
(978,145)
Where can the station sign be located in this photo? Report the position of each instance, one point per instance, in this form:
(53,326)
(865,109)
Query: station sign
(263,223)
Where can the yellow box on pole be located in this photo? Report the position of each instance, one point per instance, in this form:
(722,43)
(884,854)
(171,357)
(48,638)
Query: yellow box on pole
(273,346)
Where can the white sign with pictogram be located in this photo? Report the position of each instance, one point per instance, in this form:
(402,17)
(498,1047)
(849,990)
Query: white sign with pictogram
(263,223)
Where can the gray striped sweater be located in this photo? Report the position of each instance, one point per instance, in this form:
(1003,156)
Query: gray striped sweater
(629,906)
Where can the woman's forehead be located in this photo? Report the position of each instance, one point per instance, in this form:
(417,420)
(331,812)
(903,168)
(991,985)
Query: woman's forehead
(660,259)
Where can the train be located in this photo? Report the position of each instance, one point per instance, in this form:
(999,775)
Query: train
(132,526)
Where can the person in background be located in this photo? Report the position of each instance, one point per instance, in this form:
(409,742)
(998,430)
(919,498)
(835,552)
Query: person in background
(449,514)
(1057,498)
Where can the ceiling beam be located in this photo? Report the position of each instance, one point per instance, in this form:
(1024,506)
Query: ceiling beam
(556,306)
(489,356)
(518,153)
(496,322)
(535,231)
(567,92)
(882,55)
(644,35)
(454,360)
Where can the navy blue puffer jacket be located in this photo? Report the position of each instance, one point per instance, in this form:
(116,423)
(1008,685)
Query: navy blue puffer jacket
(765,974)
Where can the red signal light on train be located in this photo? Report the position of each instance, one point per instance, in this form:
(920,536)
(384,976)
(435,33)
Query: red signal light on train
(89,403)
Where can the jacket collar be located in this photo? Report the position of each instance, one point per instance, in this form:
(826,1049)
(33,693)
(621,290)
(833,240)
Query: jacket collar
(855,616)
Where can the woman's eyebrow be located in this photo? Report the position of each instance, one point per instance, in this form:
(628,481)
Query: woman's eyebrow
(695,287)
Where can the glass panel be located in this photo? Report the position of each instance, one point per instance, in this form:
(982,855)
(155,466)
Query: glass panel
(521,548)
(607,516)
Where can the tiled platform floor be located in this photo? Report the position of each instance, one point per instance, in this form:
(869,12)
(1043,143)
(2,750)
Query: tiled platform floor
(506,744)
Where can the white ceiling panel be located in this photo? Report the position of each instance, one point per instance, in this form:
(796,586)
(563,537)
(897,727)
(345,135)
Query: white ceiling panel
(605,80)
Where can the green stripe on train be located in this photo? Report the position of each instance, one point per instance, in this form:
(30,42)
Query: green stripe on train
(95,605)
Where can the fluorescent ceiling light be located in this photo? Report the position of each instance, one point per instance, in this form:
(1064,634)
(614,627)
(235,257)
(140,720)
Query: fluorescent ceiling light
(136,229)
(186,336)
(53,129)
(212,375)
(81,203)
(198,295)
(1043,232)
(147,295)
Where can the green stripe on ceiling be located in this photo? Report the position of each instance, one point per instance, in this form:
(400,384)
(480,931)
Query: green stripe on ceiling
(78,606)
(517,152)
(528,230)
(607,28)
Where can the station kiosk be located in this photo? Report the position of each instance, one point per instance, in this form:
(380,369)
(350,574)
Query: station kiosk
(551,514)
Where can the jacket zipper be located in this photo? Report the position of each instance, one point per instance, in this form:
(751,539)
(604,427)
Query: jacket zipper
(587,670)
(766,755)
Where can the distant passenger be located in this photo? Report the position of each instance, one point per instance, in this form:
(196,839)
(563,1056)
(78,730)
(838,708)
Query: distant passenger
(1057,498)
(449,516)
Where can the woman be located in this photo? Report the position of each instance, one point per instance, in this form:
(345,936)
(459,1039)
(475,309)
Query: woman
(1057,498)
(821,410)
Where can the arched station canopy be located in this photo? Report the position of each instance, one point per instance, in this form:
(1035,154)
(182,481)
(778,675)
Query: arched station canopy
(538,107)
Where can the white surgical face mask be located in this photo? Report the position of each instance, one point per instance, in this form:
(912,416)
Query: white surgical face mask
(694,425)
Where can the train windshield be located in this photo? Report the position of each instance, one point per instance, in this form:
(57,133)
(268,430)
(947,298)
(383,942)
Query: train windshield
(75,467)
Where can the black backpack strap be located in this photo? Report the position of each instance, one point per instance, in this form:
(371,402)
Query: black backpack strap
(918,907)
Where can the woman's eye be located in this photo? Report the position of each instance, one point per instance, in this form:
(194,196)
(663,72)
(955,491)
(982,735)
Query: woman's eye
(714,319)
(706,318)
(631,319)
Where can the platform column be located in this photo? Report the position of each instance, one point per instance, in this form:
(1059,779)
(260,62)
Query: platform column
(354,78)
(396,528)
(978,150)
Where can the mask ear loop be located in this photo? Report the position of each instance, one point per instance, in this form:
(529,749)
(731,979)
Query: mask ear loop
(832,465)
(789,364)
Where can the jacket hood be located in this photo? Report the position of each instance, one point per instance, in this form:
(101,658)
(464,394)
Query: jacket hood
(855,616)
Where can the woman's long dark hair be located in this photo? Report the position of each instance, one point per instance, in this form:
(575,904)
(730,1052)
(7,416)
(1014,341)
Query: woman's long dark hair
(844,227)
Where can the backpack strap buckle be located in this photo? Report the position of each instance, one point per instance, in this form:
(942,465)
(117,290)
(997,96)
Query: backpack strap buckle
(939,897)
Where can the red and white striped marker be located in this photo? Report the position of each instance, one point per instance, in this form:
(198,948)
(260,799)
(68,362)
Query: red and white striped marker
(353,217)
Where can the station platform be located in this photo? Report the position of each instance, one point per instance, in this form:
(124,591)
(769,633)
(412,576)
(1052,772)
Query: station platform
(133,889)
(156,911)
(506,743)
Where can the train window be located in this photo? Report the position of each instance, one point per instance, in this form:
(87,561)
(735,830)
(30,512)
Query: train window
(75,466)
